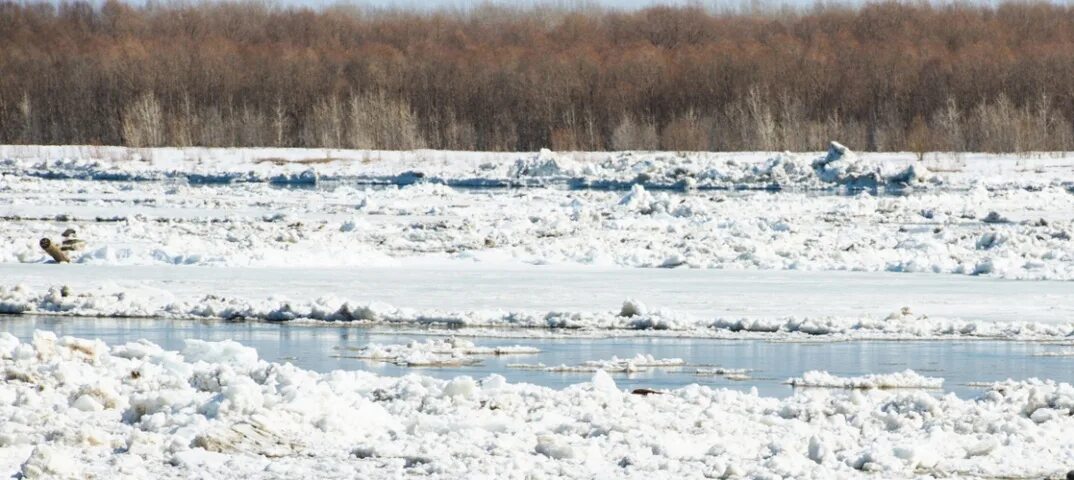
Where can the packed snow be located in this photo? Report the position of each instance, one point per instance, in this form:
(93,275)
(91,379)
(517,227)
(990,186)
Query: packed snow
(435,352)
(79,408)
(904,379)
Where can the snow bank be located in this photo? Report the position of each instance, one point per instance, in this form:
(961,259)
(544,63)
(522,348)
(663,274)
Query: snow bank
(904,379)
(80,408)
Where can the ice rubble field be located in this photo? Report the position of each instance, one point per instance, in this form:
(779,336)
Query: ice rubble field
(77,408)
(969,215)
(992,216)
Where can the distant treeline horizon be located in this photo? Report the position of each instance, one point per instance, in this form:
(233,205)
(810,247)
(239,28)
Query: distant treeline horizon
(880,77)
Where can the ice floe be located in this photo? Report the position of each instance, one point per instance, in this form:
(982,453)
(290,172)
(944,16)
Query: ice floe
(904,379)
(738,374)
(637,363)
(434,352)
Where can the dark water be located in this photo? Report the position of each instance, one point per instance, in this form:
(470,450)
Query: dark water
(318,348)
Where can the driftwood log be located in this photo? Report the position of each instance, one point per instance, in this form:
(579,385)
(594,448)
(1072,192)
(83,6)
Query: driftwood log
(54,251)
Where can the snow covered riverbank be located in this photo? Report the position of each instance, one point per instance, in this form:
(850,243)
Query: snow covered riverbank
(80,408)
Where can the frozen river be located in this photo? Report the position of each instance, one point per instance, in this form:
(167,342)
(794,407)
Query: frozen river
(324,348)
(455,286)
(966,279)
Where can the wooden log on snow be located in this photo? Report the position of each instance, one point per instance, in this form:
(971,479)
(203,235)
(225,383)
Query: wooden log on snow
(54,251)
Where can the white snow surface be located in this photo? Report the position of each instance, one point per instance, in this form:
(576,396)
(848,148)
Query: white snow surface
(155,209)
(79,408)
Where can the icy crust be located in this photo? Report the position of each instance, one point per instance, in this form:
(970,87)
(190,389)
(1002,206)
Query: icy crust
(434,352)
(79,408)
(114,301)
(904,379)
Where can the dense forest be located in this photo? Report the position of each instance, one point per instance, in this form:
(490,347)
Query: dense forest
(883,76)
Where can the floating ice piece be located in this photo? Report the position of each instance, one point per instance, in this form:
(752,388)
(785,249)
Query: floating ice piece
(435,352)
(616,365)
(730,373)
(904,379)
(1056,353)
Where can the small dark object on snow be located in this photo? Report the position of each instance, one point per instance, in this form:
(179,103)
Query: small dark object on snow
(995,217)
(1070,475)
(69,233)
(645,392)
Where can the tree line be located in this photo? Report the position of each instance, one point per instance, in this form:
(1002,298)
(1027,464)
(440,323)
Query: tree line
(881,76)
